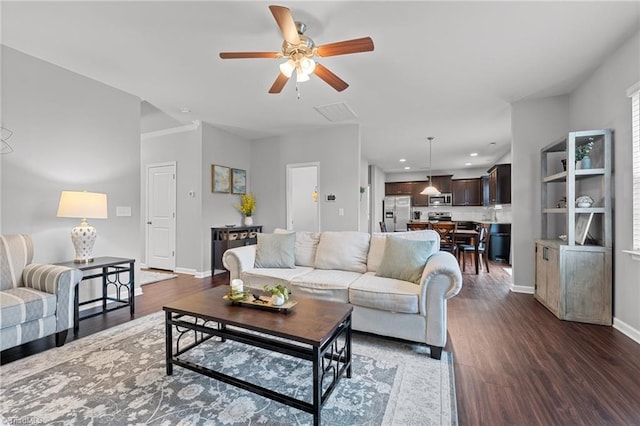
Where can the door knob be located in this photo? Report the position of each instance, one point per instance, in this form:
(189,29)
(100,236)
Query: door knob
(149,223)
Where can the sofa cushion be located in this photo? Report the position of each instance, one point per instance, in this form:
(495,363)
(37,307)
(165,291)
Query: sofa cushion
(345,251)
(404,259)
(305,246)
(386,294)
(325,284)
(22,304)
(257,278)
(275,251)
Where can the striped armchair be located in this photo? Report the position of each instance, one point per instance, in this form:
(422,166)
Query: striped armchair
(35,300)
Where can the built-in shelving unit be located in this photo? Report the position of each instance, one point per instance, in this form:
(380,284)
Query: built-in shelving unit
(574,276)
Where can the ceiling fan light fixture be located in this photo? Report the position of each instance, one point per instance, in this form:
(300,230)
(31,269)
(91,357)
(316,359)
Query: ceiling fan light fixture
(287,68)
(307,65)
(301,76)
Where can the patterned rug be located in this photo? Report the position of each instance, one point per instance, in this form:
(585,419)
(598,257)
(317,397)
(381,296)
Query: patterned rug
(118,377)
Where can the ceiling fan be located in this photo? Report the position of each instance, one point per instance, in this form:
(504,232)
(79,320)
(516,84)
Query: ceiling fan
(300,51)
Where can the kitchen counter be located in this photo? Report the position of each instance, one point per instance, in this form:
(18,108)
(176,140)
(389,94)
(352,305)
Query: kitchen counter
(491,222)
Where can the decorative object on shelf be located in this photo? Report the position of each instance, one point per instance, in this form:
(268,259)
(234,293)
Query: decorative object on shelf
(220,179)
(584,201)
(582,155)
(583,222)
(279,294)
(84,205)
(238,181)
(247,207)
(430,189)
(562,203)
(563,237)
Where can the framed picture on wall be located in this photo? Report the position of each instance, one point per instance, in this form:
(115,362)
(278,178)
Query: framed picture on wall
(220,179)
(583,222)
(238,181)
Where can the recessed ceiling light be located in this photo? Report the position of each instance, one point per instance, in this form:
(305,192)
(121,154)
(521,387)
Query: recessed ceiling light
(473,154)
(467,164)
(402,160)
(185,110)
(407,168)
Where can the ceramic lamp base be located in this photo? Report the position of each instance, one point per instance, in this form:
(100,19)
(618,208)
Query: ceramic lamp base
(83,238)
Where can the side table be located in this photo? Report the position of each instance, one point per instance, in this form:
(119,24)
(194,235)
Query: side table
(110,269)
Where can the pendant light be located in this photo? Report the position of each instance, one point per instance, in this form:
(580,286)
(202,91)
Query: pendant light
(430,190)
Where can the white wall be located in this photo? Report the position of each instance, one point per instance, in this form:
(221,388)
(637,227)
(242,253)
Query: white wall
(184,146)
(70,133)
(225,149)
(338,152)
(364,197)
(534,124)
(601,102)
(377,179)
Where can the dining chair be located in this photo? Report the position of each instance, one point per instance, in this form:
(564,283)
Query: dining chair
(483,248)
(447,232)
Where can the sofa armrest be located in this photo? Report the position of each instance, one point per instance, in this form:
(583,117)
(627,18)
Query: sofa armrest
(239,259)
(58,280)
(441,280)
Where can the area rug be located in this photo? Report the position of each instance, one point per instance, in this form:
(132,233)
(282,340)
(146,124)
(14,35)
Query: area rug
(148,277)
(118,377)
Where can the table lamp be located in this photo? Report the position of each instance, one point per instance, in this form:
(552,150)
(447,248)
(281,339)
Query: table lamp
(84,205)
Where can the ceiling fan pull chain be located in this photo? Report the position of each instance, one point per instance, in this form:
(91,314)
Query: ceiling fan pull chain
(298,89)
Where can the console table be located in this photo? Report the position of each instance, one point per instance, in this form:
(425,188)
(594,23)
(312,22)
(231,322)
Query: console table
(110,269)
(227,237)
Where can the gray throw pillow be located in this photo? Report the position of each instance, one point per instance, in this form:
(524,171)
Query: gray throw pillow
(275,251)
(404,259)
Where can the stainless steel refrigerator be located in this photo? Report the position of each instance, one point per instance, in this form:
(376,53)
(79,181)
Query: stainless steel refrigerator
(397,212)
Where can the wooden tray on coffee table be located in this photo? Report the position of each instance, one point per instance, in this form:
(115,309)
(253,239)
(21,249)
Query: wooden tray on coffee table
(265,304)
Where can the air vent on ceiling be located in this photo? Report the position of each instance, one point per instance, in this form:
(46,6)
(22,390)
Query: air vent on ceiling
(336,112)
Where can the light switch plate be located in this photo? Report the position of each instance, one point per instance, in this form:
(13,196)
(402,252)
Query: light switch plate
(123,211)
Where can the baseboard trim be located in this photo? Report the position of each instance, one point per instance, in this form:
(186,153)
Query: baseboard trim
(626,329)
(521,289)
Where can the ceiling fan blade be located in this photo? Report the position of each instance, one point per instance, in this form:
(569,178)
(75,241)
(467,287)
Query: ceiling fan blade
(277,86)
(285,21)
(330,78)
(244,55)
(364,44)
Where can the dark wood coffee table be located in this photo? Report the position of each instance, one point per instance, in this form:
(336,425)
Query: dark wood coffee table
(315,330)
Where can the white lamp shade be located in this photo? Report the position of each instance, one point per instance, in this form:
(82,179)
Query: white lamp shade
(89,205)
(430,190)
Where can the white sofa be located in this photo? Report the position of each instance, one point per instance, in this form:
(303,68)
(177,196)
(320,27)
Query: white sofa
(342,266)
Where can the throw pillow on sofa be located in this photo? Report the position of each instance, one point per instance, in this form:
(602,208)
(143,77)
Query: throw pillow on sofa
(404,259)
(345,251)
(275,251)
(306,246)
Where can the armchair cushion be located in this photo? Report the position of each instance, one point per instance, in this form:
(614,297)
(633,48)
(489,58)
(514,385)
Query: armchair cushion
(23,304)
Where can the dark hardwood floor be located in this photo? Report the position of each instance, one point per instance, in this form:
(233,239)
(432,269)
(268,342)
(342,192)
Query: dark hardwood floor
(515,363)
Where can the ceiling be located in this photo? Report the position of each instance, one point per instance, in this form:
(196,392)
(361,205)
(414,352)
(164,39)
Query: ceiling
(443,69)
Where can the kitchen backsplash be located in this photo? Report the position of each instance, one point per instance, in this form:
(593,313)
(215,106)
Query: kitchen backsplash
(502,215)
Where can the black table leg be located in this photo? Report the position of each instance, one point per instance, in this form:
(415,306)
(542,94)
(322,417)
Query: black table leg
(169,342)
(317,386)
(132,284)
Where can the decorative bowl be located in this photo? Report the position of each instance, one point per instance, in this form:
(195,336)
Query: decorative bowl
(584,201)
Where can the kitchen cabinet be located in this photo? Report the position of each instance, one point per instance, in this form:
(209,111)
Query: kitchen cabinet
(500,184)
(418,199)
(443,183)
(574,275)
(467,192)
(398,188)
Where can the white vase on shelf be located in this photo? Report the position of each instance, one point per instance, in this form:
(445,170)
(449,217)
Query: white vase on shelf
(248,221)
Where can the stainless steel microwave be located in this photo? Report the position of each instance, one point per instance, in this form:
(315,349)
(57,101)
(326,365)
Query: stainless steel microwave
(443,199)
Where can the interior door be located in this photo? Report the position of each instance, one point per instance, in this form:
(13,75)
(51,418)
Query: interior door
(303,201)
(161,216)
